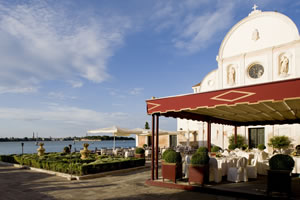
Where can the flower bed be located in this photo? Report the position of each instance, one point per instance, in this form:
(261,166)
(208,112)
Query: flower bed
(72,164)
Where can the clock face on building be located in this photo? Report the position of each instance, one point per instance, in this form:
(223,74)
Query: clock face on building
(256,71)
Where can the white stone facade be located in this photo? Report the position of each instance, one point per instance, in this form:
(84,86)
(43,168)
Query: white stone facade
(263,47)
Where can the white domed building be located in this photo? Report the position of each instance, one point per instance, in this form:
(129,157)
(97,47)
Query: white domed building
(263,47)
(254,90)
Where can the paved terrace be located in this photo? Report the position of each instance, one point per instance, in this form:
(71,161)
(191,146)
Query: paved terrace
(16,183)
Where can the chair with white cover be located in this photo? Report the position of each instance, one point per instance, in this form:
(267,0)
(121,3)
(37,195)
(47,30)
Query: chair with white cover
(215,173)
(238,173)
(252,169)
(187,161)
(263,163)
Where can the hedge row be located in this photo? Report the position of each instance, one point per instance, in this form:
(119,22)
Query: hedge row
(73,164)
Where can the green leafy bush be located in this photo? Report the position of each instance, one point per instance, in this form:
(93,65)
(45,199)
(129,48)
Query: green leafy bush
(261,147)
(240,141)
(279,142)
(281,162)
(8,158)
(66,150)
(145,146)
(139,150)
(173,157)
(72,163)
(244,147)
(200,158)
(232,146)
(166,152)
(202,150)
(215,149)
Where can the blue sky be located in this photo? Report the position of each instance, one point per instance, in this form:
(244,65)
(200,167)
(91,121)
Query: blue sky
(71,66)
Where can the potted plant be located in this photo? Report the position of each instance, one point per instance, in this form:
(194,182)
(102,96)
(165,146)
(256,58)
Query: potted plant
(232,146)
(172,166)
(214,150)
(244,147)
(139,152)
(279,174)
(240,141)
(280,142)
(199,167)
(165,153)
(261,147)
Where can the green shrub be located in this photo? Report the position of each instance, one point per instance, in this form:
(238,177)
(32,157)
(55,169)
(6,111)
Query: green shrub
(72,163)
(200,158)
(145,146)
(215,149)
(66,149)
(240,141)
(166,152)
(139,150)
(8,158)
(202,150)
(261,147)
(281,162)
(244,147)
(232,146)
(279,142)
(173,157)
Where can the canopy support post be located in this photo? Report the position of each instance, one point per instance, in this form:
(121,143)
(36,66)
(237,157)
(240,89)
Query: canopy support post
(235,135)
(209,136)
(157,146)
(152,148)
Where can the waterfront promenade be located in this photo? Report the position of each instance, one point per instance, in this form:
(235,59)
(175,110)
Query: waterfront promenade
(16,183)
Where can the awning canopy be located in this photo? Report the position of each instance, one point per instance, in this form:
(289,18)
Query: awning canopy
(267,103)
(117,131)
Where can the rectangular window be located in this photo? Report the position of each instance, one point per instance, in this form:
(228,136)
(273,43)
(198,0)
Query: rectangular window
(173,140)
(256,137)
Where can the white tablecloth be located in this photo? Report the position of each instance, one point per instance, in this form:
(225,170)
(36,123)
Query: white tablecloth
(296,169)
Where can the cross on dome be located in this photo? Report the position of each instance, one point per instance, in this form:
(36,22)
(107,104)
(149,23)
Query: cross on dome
(255,10)
(254,7)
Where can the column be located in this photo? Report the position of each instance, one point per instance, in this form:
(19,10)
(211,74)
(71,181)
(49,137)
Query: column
(157,146)
(209,136)
(152,150)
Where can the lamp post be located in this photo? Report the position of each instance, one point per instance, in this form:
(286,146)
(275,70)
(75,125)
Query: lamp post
(22,144)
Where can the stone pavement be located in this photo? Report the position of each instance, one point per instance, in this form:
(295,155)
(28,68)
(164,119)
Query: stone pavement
(22,184)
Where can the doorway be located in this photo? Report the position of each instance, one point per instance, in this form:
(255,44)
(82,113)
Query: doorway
(149,141)
(256,137)
(173,141)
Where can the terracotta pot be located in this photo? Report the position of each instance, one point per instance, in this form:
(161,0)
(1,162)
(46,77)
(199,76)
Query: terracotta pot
(199,174)
(171,171)
(139,155)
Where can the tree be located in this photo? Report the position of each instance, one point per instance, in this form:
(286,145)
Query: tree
(240,141)
(147,125)
(280,142)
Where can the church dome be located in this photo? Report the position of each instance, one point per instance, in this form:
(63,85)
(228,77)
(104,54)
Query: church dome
(259,30)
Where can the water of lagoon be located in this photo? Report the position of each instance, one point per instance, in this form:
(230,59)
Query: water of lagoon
(58,146)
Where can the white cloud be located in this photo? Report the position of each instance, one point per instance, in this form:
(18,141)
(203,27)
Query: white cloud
(75,84)
(136,91)
(194,24)
(39,42)
(60,96)
(18,90)
(65,115)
